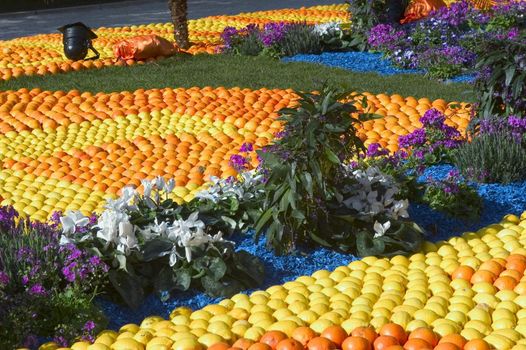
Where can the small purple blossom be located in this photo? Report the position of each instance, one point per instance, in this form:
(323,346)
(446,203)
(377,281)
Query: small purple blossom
(246,147)
(37,289)
(376,150)
(89,326)
(433,118)
(416,138)
(238,162)
(25,280)
(4,278)
(273,33)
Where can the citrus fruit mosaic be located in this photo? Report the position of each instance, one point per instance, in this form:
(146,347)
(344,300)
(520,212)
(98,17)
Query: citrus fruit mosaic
(72,150)
(43,54)
(430,300)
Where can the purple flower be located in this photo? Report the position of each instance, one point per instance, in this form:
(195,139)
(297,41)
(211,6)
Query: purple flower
(238,162)
(433,118)
(416,138)
(25,280)
(61,341)
(453,173)
(69,272)
(37,289)
(227,35)
(384,36)
(375,150)
(273,33)
(89,326)
(4,278)
(246,147)
(31,341)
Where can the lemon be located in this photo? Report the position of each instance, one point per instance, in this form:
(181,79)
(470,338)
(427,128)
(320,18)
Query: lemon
(143,336)
(402,318)
(254,333)
(275,304)
(320,325)
(349,325)
(308,316)
(260,316)
(81,345)
(428,316)
(471,333)
(414,324)
(499,342)
(286,327)
(191,344)
(98,346)
(503,323)
(127,344)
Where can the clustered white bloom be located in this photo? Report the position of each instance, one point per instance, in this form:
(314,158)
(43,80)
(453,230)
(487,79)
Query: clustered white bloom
(373,194)
(114,226)
(222,189)
(329,28)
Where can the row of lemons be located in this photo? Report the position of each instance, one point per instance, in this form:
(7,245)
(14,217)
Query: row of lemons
(427,293)
(72,150)
(43,54)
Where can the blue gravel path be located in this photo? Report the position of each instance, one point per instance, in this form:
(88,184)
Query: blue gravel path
(363,62)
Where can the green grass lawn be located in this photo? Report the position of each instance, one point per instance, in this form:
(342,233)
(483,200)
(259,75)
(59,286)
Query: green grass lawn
(236,71)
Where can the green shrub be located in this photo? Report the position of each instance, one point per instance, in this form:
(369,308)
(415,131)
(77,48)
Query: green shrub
(495,157)
(300,39)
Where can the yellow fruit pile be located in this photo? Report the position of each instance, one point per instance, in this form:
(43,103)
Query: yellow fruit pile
(413,292)
(72,151)
(43,54)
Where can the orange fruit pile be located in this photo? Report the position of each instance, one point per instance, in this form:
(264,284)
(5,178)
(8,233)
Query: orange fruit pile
(43,54)
(85,147)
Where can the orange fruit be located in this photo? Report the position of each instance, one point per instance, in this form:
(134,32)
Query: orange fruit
(463,272)
(272,338)
(303,335)
(447,346)
(456,339)
(289,344)
(368,333)
(320,343)
(425,334)
(477,344)
(356,343)
(395,347)
(417,344)
(483,276)
(394,330)
(493,265)
(243,343)
(259,346)
(516,264)
(219,346)
(336,334)
(385,341)
(505,283)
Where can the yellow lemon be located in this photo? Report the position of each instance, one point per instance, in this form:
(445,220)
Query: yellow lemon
(143,336)
(206,340)
(471,333)
(308,316)
(349,325)
(414,324)
(80,345)
(254,333)
(320,325)
(128,344)
(98,346)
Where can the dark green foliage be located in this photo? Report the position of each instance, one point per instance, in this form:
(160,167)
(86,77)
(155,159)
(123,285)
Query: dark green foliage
(492,158)
(501,86)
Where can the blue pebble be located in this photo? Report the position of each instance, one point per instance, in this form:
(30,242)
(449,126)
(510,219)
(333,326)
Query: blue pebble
(364,62)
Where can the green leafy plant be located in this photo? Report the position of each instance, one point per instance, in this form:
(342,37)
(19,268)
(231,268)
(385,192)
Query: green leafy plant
(453,196)
(153,244)
(300,39)
(364,14)
(312,196)
(493,157)
(501,85)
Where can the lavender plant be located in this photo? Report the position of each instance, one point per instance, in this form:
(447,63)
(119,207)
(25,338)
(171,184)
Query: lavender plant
(43,283)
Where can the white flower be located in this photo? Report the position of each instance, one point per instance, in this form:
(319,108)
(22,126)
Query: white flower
(127,239)
(72,220)
(170,185)
(159,183)
(154,230)
(381,229)
(174,256)
(148,185)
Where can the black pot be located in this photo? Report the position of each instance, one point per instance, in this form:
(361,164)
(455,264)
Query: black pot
(77,40)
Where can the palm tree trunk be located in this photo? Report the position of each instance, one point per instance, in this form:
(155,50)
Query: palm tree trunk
(178,11)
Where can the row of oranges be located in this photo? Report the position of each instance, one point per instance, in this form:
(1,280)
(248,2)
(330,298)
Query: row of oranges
(396,297)
(71,150)
(43,54)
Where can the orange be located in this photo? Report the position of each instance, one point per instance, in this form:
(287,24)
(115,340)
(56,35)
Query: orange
(447,346)
(272,338)
(417,344)
(320,343)
(366,332)
(477,344)
(336,334)
(456,339)
(505,283)
(394,330)
(259,346)
(463,272)
(356,343)
(394,347)
(385,341)
(219,346)
(303,335)
(493,265)
(425,334)
(289,344)
(483,276)
(243,343)
(516,264)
